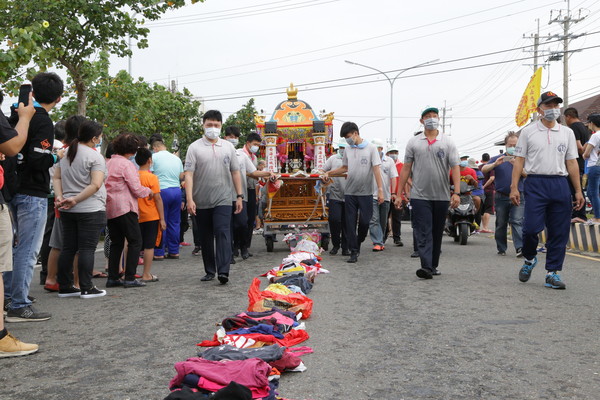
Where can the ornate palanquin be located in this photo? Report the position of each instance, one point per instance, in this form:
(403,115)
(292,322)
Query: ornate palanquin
(296,143)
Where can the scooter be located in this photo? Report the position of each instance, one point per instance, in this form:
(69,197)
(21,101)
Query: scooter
(460,223)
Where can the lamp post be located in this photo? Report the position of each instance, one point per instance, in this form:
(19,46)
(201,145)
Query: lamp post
(391,82)
(370,122)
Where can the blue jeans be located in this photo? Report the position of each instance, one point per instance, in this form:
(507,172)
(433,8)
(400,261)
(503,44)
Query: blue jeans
(30,221)
(171,198)
(378,222)
(507,213)
(592,189)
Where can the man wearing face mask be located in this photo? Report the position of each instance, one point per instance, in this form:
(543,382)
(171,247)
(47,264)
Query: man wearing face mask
(335,203)
(361,161)
(506,212)
(239,222)
(547,152)
(211,170)
(396,210)
(430,157)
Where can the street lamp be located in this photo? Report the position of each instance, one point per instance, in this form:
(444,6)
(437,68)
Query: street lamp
(370,122)
(392,81)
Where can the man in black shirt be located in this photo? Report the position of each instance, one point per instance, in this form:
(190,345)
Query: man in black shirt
(30,203)
(582,135)
(11,142)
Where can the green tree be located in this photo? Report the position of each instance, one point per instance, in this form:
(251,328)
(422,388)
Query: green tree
(77,31)
(243,119)
(124,105)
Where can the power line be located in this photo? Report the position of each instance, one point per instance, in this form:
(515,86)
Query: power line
(224,11)
(353,42)
(272,10)
(215,98)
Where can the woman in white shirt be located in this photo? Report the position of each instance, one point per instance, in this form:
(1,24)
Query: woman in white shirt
(591,153)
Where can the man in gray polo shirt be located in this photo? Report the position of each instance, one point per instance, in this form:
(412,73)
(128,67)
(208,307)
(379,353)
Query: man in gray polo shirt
(361,161)
(335,203)
(547,152)
(211,170)
(429,157)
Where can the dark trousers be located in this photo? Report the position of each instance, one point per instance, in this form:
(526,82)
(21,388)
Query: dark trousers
(196,232)
(45,249)
(239,223)
(215,226)
(429,218)
(414,231)
(396,223)
(337,226)
(252,208)
(124,227)
(581,212)
(548,203)
(358,209)
(81,232)
(171,198)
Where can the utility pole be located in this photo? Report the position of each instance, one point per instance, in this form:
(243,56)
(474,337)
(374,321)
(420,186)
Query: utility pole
(444,110)
(536,50)
(173,86)
(567,21)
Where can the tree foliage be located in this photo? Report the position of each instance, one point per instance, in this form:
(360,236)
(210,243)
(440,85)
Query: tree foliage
(243,119)
(76,31)
(124,105)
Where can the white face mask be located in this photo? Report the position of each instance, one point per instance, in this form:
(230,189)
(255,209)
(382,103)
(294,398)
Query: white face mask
(212,133)
(431,124)
(552,114)
(234,142)
(341,151)
(253,149)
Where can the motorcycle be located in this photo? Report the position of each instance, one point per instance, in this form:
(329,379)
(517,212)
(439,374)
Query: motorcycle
(460,223)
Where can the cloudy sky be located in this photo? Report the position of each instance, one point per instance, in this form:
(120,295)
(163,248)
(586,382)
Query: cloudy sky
(227,51)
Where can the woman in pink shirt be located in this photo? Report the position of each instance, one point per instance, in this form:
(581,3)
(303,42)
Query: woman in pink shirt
(123,188)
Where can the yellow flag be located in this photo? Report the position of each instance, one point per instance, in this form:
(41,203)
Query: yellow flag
(528,102)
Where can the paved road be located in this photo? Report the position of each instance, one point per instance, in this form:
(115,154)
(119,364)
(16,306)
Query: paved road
(378,332)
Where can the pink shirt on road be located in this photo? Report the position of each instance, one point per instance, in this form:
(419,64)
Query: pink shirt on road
(123,187)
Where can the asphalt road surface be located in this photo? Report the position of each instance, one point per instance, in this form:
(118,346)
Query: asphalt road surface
(378,332)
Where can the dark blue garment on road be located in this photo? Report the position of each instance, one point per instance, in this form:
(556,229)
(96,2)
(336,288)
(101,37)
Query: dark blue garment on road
(260,328)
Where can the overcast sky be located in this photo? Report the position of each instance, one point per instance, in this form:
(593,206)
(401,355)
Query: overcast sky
(247,48)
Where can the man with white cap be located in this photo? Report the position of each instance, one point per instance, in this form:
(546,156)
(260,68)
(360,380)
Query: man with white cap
(388,171)
(397,210)
(547,151)
(335,203)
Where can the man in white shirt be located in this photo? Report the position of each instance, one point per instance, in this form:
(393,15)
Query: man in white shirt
(547,152)
(389,173)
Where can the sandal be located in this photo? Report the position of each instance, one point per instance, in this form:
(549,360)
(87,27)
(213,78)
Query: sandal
(154,279)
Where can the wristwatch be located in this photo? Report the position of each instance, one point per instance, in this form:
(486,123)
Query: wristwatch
(240,196)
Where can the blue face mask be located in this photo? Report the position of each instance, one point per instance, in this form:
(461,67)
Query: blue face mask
(510,151)
(464,163)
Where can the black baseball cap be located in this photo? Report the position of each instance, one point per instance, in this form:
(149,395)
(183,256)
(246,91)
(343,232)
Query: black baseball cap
(547,97)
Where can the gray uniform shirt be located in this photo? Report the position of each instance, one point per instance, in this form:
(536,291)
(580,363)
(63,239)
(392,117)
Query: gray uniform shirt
(360,163)
(212,165)
(338,185)
(388,172)
(431,164)
(546,150)
(78,175)
(246,166)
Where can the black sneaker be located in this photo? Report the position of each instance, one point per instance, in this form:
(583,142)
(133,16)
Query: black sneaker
(415,254)
(133,283)
(424,274)
(232,260)
(519,252)
(435,272)
(334,250)
(501,253)
(223,279)
(113,283)
(353,258)
(398,242)
(93,292)
(26,314)
(207,277)
(69,292)
(346,252)
(196,251)
(245,253)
